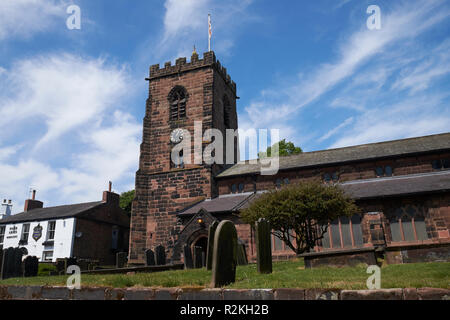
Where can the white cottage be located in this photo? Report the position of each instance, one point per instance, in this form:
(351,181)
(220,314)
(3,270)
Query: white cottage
(93,230)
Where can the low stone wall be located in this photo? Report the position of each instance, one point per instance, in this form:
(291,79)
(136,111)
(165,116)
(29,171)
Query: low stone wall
(97,293)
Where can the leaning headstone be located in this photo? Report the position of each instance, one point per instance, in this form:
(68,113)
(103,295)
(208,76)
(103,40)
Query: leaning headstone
(31,266)
(150,257)
(121,259)
(188,261)
(224,254)
(198,257)
(263,246)
(209,250)
(241,254)
(160,253)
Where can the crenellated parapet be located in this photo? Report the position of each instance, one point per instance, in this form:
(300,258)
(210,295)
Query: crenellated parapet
(181,66)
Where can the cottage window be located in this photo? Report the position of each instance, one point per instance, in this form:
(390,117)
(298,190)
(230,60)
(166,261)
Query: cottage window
(47,256)
(177,101)
(2,236)
(51,230)
(343,233)
(408,224)
(25,233)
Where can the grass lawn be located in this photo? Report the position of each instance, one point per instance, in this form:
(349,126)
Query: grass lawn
(288,274)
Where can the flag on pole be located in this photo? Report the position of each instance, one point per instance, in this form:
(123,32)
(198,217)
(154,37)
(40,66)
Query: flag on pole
(209,32)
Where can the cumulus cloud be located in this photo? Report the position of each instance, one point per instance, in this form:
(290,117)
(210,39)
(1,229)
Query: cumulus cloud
(68,112)
(23,18)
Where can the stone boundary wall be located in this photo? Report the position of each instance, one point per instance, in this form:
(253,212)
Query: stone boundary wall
(103,293)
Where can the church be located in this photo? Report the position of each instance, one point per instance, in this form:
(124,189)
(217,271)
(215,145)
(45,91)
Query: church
(402,187)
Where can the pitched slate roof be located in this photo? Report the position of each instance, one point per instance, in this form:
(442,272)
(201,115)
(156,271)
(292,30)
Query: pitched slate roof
(403,147)
(358,189)
(48,213)
(401,185)
(226,203)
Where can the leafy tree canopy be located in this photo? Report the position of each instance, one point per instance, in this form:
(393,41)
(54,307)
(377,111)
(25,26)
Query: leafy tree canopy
(299,213)
(126,198)
(285,149)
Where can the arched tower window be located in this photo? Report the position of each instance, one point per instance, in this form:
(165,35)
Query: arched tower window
(226,112)
(177,101)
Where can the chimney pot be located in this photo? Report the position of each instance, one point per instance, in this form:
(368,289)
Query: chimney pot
(34,195)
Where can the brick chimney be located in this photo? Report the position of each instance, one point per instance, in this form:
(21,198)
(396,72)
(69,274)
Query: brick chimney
(32,203)
(110,197)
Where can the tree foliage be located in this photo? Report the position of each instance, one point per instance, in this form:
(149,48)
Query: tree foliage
(284,149)
(126,199)
(299,213)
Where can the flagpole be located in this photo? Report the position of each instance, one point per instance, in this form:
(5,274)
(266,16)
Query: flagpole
(209,32)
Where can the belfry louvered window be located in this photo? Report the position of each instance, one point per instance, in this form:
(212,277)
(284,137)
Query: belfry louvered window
(177,102)
(226,112)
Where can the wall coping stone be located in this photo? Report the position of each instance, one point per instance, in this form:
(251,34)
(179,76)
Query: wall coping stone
(137,293)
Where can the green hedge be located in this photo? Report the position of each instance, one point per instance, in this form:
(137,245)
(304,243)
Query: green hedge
(45,269)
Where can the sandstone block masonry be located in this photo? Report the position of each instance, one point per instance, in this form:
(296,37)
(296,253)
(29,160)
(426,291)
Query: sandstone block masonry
(162,189)
(107,293)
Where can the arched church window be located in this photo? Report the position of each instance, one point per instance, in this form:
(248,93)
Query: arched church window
(407,223)
(241,187)
(177,103)
(226,112)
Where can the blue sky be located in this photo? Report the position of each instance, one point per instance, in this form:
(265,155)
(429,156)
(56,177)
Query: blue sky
(72,101)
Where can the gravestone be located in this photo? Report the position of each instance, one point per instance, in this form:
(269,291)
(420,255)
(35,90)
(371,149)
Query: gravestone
(149,257)
(31,266)
(241,254)
(210,248)
(224,254)
(263,246)
(121,259)
(160,253)
(198,257)
(188,261)
(12,263)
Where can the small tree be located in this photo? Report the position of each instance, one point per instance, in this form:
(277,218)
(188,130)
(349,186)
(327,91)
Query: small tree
(126,199)
(284,149)
(299,213)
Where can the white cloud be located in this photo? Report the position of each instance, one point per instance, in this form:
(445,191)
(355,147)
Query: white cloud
(68,133)
(186,25)
(401,26)
(23,18)
(65,91)
(333,131)
(409,118)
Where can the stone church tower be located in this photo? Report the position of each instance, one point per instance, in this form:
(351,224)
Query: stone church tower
(200,90)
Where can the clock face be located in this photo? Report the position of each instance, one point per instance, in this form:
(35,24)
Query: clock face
(176,136)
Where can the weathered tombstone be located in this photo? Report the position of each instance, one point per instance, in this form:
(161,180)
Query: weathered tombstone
(224,254)
(149,257)
(121,259)
(198,257)
(188,262)
(210,248)
(160,253)
(241,254)
(31,266)
(12,263)
(263,246)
